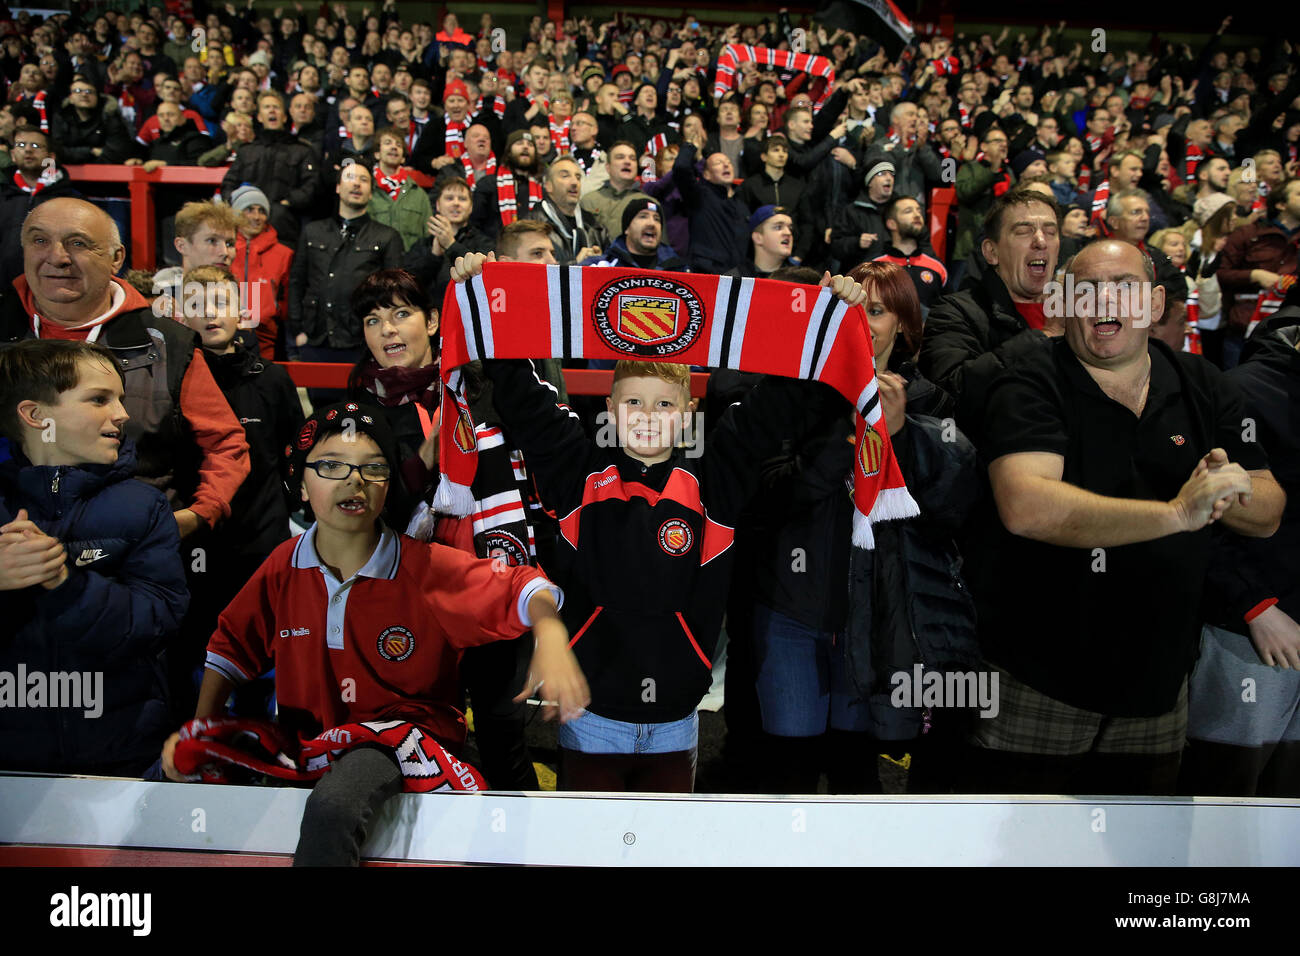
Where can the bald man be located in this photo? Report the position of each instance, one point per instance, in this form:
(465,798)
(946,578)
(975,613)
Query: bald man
(1109,456)
(188,441)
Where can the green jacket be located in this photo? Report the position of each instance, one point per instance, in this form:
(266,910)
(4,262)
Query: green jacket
(975,181)
(408,213)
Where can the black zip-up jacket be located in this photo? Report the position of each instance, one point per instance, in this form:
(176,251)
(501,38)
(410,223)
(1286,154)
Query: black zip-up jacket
(645,551)
(434,272)
(1247,571)
(264,399)
(970,337)
(326,270)
(104,128)
(283,168)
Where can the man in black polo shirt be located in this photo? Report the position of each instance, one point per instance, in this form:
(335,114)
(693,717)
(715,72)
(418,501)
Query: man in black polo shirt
(1109,457)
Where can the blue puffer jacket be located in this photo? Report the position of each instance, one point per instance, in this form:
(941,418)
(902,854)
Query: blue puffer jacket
(123,600)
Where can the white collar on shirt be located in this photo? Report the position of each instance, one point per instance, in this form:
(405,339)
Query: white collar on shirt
(383,561)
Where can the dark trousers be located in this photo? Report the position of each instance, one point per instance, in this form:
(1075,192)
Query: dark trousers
(1227,770)
(493,674)
(337,817)
(1006,771)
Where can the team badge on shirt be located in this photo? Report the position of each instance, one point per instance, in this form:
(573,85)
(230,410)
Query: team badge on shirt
(927,276)
(647,316)
(675,537)
(396,643)
(1177,439)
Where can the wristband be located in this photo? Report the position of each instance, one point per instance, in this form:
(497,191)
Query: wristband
(1259,609)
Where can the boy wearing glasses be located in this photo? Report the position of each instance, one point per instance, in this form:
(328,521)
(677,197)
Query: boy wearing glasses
(362,623)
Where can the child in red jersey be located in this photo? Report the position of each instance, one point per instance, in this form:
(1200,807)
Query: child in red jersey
(363,624)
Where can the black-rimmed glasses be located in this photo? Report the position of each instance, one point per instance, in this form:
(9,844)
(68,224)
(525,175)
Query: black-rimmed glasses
(341,470)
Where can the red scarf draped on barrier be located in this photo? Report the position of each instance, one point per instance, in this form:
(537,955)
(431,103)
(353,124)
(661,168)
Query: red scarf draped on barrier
(209,747)
(527,310)
(734,54)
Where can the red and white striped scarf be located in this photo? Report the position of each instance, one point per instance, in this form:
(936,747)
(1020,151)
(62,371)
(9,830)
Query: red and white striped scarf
(734,54)
(38,103)
(1269,301)
(753,325)
(964,116)
(1192,333)
(498,107)
(391,184)
(1192,162)
(655,143)
(1099,200)
(489,168)
(1093,142)
(454,137)
(210,746)
(1084,177)
(946,65)
(1003,173)
(506,199)
(559,135)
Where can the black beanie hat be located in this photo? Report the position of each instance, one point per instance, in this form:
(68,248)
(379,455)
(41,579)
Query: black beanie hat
(361,419)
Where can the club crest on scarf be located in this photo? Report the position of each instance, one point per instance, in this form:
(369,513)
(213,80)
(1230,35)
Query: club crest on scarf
(871,454)
(648,317)
(675,536)
(464,434)
(504,548)
(396,643)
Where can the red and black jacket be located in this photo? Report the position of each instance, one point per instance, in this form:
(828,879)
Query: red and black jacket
(645,551)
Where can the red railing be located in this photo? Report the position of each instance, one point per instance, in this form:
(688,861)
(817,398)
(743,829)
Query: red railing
(139,187)
(577,381)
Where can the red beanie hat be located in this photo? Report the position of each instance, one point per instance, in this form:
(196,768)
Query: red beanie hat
(455,88)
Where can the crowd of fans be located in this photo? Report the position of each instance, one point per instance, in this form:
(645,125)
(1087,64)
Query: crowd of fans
(1100,500)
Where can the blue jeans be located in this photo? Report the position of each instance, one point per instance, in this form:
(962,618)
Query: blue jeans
(593,734)
(803,684)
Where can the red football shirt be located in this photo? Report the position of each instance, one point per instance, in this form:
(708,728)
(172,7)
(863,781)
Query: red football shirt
(383,645)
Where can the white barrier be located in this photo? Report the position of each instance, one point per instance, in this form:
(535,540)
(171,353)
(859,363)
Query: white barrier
(646,830)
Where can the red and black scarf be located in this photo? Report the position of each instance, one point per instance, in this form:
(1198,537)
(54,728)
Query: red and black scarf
(753,325)
(489,168)
(210,747)
(507,204)
(392,185)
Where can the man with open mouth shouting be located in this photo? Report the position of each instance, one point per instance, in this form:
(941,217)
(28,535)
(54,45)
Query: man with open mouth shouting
(1110,455)
(973,335)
